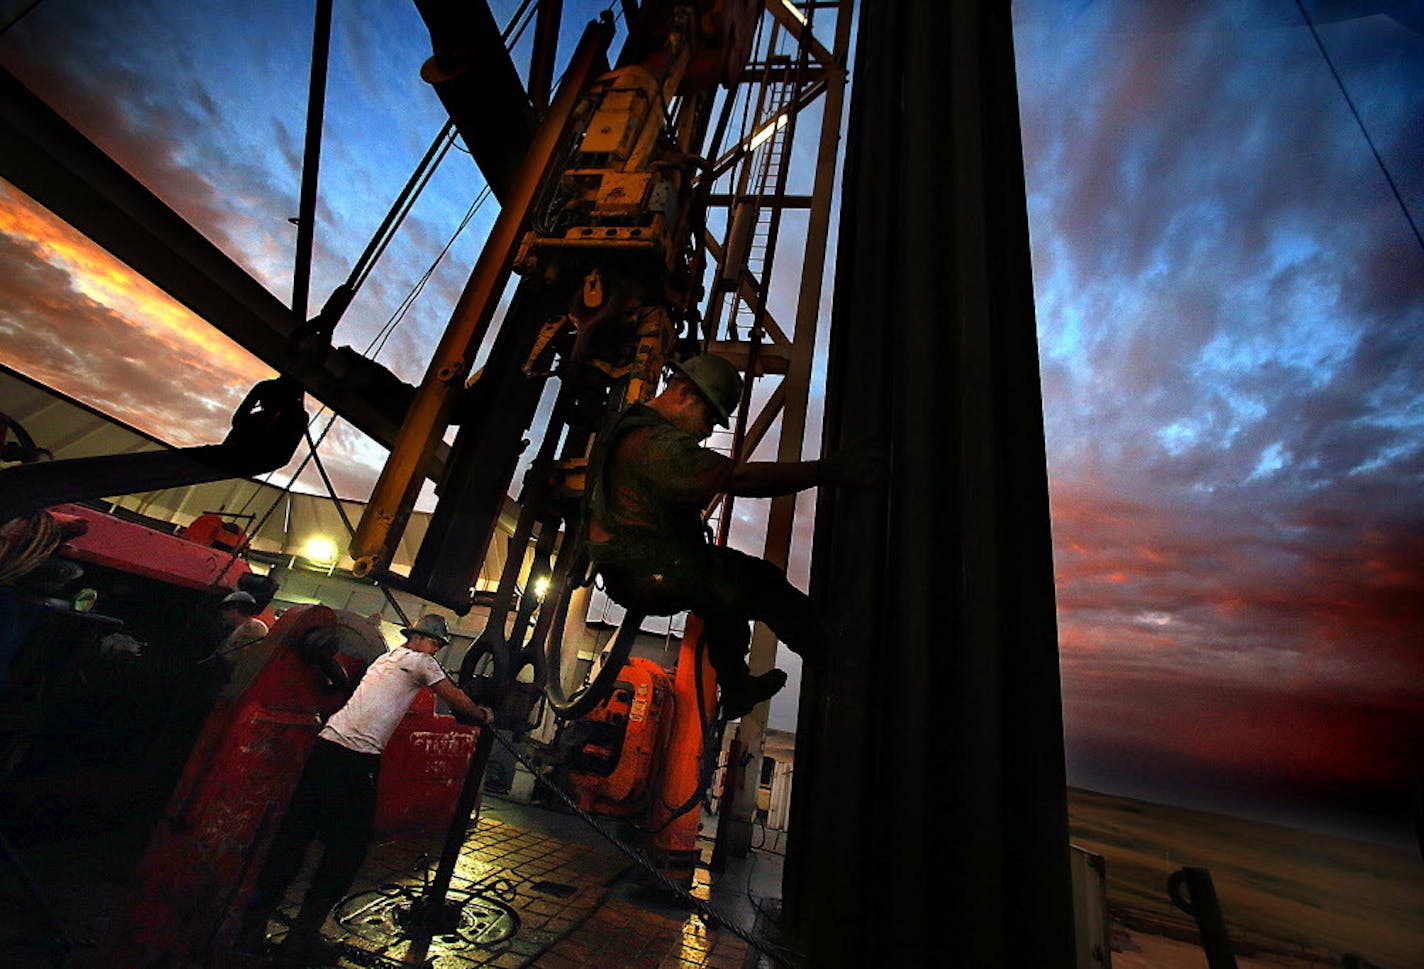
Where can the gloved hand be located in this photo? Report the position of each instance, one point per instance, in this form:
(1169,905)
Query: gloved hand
(861,465)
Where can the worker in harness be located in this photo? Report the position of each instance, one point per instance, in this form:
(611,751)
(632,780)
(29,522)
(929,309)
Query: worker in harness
(650,478)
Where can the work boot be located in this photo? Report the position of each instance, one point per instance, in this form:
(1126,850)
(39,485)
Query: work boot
(739,696)
(305,945)
(307,951)
(251,938)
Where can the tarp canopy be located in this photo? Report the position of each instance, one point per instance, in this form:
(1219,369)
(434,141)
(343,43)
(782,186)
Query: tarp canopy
(71,429)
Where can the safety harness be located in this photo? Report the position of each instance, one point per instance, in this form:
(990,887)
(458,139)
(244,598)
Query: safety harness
(595,497)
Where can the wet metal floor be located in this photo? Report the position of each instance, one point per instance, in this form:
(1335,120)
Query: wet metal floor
(540,889)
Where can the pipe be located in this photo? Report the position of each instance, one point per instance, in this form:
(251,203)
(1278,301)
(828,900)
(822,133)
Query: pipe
(1191,890)
(394,495)
(311,158)
(432,912)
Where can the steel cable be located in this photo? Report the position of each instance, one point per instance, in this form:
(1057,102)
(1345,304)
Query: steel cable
(779,954)
(1379,160)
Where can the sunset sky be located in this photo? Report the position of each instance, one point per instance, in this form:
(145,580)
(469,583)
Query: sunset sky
(1231,314)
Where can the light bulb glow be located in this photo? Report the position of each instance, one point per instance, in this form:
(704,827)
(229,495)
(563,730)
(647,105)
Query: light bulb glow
(320,550)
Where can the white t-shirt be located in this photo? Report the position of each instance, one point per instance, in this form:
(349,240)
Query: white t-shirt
(382,697)
(247,632)
(244,653)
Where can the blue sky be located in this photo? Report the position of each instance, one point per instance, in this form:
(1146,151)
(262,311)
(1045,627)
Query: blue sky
(1230,312)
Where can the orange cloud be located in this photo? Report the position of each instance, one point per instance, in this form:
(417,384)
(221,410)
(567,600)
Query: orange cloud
(109,283)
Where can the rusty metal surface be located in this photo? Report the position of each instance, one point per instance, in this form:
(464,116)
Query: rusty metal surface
(422,768)
(133,548)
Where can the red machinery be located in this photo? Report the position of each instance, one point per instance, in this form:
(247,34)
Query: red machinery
(611,249)
(241,769)
(191,558)
(222,815)
(215,531)
(613,771)
(422,770)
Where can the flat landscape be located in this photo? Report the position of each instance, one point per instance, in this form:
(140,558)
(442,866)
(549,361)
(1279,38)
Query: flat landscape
(1288,896)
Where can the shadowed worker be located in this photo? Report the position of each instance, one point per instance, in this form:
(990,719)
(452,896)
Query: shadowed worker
(650,480)
(336,796)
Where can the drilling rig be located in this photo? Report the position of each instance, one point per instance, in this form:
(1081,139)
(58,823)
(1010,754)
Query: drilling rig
(605,185)
(605,222)
(610,216)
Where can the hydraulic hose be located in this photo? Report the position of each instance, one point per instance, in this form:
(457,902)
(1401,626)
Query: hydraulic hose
(571,707)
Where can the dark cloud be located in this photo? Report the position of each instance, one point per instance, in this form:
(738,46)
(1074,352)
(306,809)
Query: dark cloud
(151,364)
(161,126)
(1229,301)
(288,143)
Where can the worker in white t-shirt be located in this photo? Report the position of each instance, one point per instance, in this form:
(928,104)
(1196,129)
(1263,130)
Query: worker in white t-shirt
(336,796)
(244,650)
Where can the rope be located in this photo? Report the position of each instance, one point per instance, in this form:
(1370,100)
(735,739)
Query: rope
(414,188)
(373,349)
(286,490)
(402,206)
(22,554)
(219,653)
(378,342)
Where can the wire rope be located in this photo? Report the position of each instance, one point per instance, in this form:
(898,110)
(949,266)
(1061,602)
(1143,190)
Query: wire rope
(374,348)
(510,35)
(1379,160)
(21,15)
(30,546)
(434,155)
(780,955)
(346,520)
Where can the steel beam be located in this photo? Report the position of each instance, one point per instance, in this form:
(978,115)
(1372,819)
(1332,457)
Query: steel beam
(762,201)
(49,160)
(497,412)
(747,289)
(548,17)
(760,72)
(477,82)
(796,388)
(795,24)
(930,737)
(771,357)
(429,413)
(734,154)
(311,158)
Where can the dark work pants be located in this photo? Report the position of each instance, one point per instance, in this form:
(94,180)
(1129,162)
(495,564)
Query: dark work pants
(335,800)
(726,588)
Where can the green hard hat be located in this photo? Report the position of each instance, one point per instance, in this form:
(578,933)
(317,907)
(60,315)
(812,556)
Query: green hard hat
(718,380)
(431,624)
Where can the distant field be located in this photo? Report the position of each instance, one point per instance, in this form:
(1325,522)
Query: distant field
(1282,890)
